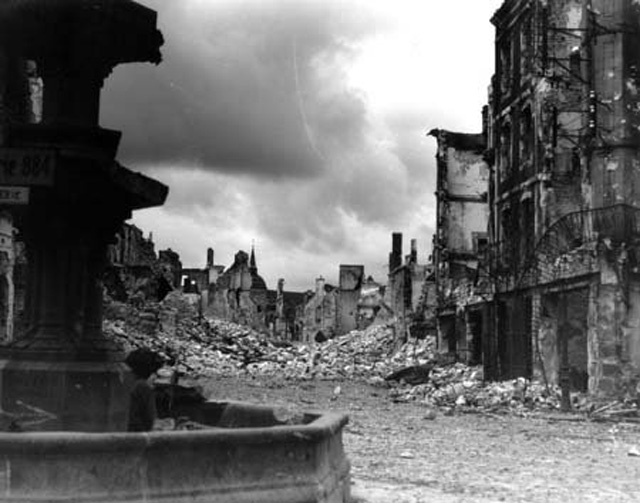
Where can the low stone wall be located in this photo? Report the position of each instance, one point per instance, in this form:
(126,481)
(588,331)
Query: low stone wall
(299,463)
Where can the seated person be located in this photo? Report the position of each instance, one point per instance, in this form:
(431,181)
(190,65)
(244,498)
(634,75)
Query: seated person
(142,405)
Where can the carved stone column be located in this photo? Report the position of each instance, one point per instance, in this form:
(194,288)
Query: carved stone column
(62,363)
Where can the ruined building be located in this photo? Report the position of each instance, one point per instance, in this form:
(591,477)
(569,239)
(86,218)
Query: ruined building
(565,118)
(332,311)
(405,289)
(239,294)
(563,143)
(171,266)
(133,271)
(284,321)
(372,307)
(425,319)
(350,283)
(202,281)
(460,242)
(320,313)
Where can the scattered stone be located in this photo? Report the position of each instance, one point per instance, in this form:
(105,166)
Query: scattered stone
(197,346)
(416,374)
(430,415)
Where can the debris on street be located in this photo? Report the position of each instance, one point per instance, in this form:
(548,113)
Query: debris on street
(198,346)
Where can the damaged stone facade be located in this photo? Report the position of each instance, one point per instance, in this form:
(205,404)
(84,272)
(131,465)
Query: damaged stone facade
(331,311)
(240,293)
(563,142)
(406,291)
(201,282)
(134,273)
(320,313)
(285,323)
(372,306)
(460,242)
(351,279)
(567,182)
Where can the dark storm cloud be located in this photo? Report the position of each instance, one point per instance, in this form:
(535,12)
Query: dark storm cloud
(244,87)
(259,91)
(264,128)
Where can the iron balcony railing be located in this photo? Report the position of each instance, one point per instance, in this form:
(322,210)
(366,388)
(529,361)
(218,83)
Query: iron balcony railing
(568,248)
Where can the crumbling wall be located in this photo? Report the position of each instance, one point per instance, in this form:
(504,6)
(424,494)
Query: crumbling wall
(233,297)
(131,248)
(399,297)
(630,332)
(547,350)
(467,208)
(615,365)
(427,301)
(467,171)
(170,266)
(372,307)
(461,233)
(286,312)
(133,271)
(607,371)
(351,279)
(321,314)
(195,280)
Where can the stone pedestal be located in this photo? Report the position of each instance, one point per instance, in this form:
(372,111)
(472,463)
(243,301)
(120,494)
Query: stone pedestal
(62,363)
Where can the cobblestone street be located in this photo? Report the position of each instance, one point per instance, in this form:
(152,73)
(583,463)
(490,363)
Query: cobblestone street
(399,455)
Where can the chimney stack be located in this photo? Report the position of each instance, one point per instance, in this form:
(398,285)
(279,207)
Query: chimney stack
(395,257)
(320,287)
(414,251)
(209,258)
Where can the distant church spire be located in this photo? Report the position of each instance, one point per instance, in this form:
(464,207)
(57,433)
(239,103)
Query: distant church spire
(252,260)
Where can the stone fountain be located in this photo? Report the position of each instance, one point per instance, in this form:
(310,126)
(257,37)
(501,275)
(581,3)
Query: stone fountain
(68,196)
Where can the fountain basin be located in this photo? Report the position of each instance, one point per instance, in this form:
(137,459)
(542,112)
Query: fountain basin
(247,456)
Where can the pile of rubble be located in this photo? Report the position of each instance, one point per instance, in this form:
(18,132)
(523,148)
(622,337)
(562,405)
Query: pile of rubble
(204,347)
(201,347)
(463,387)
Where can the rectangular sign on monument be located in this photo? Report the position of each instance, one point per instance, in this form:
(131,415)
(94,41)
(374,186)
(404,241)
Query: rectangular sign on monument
(31,166)
(14,195)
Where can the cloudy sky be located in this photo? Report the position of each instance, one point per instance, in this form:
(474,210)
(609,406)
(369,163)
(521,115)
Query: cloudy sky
(300,125)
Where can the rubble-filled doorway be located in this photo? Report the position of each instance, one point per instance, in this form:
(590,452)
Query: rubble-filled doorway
(570,310)
(448,334)
(475,329)
(514,337)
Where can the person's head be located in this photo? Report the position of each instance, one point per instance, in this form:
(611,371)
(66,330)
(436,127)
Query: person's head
(143,362)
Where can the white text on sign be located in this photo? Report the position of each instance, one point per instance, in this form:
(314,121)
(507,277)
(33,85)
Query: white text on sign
(14,195)
(27,166)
